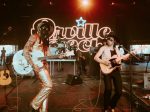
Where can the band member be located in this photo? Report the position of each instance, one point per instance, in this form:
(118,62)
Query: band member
(3,56)
(39,41)
(105,53)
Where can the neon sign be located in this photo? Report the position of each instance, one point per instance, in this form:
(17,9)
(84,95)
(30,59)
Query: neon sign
(80,21)
(90,35)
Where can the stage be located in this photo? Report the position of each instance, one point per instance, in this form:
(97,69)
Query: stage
(84,97)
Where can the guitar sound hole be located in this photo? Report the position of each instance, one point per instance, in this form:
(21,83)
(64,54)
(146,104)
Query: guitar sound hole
(6,75)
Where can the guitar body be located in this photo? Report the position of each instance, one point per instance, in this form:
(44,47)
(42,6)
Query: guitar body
(106,70)
(5,78)
(115,62)
(22,67)
(20,64)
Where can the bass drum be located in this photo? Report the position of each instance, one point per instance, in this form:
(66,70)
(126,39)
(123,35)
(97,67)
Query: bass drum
(20,65)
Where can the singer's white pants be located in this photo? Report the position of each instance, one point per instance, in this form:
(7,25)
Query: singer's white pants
(41,99)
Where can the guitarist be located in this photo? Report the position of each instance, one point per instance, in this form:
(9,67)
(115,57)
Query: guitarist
(106,52)
(39,41)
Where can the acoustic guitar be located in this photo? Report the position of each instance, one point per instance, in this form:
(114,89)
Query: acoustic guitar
(5,78)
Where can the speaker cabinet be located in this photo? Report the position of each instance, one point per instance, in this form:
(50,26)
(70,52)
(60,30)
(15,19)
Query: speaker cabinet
(73,79)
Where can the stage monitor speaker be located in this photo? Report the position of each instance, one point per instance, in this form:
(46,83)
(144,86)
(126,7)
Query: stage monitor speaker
(73,79)
(147,81)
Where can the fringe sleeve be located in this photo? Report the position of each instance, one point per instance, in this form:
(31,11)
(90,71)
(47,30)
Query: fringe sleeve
(28,49)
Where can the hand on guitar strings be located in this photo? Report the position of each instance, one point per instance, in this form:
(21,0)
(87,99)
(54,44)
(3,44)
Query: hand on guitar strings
(106,62)
(133,52)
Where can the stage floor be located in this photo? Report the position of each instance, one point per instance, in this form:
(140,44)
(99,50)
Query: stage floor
(85,97)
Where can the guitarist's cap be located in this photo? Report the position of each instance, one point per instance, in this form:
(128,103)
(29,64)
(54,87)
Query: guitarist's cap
(113,36)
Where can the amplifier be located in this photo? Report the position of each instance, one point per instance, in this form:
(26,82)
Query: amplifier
(73,79)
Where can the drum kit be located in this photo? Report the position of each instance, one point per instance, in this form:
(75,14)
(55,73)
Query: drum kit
(62,47)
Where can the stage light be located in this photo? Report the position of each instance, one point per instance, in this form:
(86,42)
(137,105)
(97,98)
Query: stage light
(112,3)
(50,3)
(134,2)
(85,2)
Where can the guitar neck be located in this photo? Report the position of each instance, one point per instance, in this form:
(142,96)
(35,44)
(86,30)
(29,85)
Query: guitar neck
(48,57)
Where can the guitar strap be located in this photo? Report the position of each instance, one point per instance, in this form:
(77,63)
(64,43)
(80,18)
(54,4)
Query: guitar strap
(117,52)
(113,52)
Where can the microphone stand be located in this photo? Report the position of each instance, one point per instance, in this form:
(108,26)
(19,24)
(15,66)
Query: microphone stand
(130,88)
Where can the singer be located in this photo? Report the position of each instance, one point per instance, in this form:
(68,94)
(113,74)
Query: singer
(39,41)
